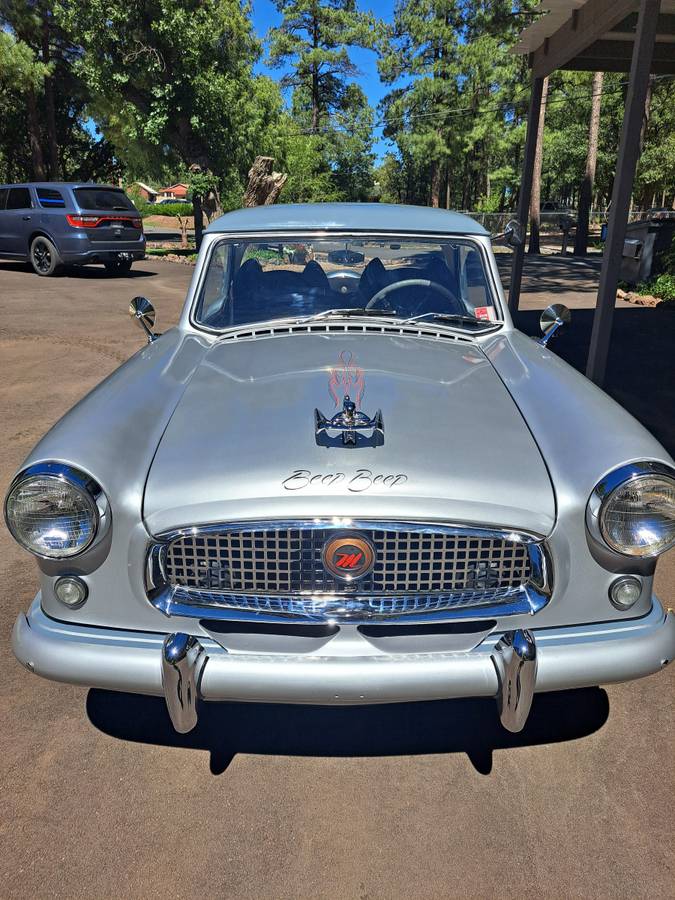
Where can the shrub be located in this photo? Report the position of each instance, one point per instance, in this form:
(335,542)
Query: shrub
(662,287)
(167,209)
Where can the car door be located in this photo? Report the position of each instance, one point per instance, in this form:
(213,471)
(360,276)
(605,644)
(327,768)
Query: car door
(17,222)
(4,221)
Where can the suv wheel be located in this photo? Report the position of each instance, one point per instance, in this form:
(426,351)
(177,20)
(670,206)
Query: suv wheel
(44,257)
(120,267)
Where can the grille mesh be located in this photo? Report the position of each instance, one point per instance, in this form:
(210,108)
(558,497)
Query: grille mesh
(287,561)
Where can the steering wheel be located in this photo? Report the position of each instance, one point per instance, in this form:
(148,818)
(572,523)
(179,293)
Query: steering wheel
(384,292)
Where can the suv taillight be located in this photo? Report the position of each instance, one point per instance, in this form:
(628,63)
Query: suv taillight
(83,221)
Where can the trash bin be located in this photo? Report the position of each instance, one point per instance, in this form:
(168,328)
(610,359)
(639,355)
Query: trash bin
(643,246)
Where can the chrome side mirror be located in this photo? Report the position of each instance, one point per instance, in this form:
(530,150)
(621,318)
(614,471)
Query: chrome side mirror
(552,319)
(514,233)
(142,310)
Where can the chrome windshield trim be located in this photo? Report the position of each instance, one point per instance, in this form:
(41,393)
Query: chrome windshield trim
(221,236)
(357,609)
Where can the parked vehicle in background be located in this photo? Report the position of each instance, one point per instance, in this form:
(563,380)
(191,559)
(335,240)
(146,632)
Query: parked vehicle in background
(660,212)
(52,224)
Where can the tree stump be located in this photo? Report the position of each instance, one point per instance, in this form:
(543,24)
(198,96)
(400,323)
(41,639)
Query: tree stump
(264,185)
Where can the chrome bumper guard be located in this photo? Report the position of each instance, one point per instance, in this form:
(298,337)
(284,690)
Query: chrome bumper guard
(509,667)
(183,661)
(514,658)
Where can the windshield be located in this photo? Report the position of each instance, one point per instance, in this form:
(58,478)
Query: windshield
(250,281)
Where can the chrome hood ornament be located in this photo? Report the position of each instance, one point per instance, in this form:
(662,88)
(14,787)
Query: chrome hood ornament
(349,421)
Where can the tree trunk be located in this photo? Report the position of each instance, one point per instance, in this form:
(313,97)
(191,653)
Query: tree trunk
(264,185)
(198,216)
(586,190)
(435,184)
(315,77)
(535,198)
(34,137)
(447,185)
(50,117)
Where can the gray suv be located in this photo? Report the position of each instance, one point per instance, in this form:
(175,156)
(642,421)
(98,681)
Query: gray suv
(55,223)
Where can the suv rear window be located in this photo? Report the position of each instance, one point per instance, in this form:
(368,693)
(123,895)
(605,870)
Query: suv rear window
(103,198)
(3,197)
(50,199)
(19,198)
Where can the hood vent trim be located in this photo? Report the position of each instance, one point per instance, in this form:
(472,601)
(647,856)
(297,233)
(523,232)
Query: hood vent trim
(271,331)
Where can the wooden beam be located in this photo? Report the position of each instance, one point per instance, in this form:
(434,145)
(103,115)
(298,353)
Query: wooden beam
(629,150)
(525,189)
(595,18)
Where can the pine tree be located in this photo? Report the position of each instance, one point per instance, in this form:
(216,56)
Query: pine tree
(314,39)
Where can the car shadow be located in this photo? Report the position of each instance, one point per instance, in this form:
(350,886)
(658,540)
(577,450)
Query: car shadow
(469,726)
(95,272)
(82,272)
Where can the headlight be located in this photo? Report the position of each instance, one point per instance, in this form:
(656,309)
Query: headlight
(54,510)
(633,510)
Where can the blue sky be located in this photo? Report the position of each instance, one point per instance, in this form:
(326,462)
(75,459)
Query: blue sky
(265,16)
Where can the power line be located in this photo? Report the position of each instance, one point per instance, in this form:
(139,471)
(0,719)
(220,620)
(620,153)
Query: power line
(468,111)
(507,104)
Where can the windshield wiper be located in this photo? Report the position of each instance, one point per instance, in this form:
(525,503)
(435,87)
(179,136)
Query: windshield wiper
(449,317)
(354,311)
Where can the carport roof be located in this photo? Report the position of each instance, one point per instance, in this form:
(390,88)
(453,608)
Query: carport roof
(362,217)
(594,35)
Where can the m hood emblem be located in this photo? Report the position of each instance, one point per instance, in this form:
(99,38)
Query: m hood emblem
(348,557)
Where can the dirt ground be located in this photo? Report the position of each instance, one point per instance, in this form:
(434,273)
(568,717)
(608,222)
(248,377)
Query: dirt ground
(431,800)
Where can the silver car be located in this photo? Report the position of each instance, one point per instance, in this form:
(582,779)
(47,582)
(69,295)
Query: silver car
(344,477)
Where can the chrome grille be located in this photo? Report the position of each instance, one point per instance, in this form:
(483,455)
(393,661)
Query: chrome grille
(283,561)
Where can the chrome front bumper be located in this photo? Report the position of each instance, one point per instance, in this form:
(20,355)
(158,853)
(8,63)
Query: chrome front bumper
(509,666)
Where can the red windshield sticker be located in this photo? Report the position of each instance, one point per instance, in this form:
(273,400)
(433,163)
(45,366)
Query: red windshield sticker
(485,312)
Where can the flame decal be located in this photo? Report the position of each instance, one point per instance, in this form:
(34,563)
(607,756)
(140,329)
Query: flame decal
(347,378)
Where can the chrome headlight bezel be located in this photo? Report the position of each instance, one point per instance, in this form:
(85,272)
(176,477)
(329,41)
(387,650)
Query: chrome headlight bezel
(88,489)
(601,497)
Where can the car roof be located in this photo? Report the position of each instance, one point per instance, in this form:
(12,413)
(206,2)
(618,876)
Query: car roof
(56,184)
(364,217)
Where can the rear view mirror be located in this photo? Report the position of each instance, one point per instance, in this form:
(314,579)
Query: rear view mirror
(142,310)
(514,233)
(552,319)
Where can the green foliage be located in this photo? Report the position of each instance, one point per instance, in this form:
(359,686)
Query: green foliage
(663,287)
(451,112)
(172,82)
(172,88)
(314,40)
(264,254)
(165,209)
(326,142)
(36,76)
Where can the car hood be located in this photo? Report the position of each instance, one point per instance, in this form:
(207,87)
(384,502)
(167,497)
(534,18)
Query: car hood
(241,443)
